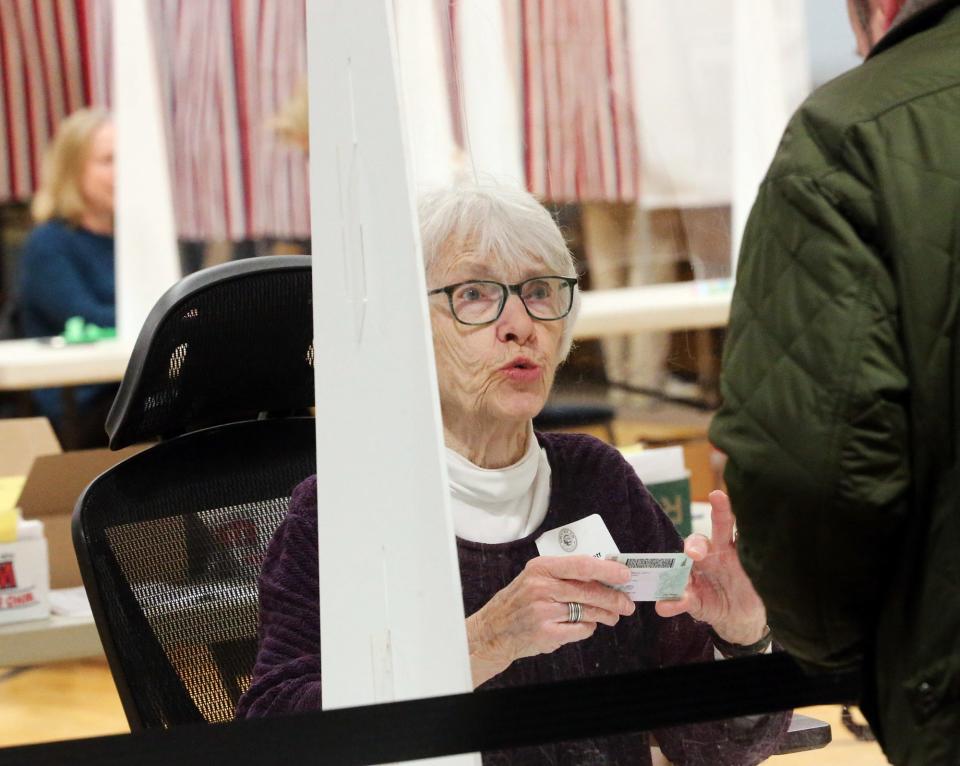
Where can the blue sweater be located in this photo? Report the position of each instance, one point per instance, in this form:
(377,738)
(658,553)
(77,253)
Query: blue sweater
(65,271)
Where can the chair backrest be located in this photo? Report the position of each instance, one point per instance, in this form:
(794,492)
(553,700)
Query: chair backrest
(169,544)
(221,345)
(170,540)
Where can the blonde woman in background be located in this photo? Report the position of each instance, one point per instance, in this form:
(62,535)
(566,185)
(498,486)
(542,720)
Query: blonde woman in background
(66,269)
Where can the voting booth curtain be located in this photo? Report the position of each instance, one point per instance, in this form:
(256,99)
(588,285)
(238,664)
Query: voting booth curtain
(45,73)
(613,101)
(226,69)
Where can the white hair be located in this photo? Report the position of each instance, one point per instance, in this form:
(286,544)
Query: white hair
(504,224)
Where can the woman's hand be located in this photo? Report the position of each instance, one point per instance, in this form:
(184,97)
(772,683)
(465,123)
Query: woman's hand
(719,591)
(529,616)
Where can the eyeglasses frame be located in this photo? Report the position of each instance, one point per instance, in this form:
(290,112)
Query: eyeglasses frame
(506,290)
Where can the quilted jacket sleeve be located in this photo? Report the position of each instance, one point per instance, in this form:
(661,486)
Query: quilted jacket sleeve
(814,420)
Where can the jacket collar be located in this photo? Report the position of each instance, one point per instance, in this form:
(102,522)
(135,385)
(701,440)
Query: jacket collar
(921,21)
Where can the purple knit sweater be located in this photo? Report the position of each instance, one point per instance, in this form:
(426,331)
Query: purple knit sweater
(587,476)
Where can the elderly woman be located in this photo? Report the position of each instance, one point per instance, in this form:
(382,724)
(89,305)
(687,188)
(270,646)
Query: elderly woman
(503,297)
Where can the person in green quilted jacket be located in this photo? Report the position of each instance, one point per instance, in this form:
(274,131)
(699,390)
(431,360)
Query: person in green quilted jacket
(841,379)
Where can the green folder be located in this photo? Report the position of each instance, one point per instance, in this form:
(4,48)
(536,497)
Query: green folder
(674,497)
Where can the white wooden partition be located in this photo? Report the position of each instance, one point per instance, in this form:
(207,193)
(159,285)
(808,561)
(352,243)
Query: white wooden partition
(391,613)
(146,241)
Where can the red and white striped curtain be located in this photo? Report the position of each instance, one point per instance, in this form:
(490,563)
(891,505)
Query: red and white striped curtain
(226,68)
(45,74)
(271,59)
(580,137)
(98,40)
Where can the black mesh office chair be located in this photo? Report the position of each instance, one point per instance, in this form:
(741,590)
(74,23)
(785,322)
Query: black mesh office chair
(170,540)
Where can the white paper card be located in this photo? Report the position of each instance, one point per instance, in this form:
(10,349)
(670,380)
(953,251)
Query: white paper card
(586,537)
(658,464)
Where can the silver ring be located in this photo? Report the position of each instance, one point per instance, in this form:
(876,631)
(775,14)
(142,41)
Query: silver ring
(574,611)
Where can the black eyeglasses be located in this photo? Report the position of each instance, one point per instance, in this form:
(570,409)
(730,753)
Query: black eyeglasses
(481,301)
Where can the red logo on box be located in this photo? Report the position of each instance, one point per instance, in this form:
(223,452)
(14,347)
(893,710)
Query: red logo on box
(8,578)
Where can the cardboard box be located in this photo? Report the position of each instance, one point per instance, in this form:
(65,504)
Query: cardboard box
(699,455)
(54,485)
(54,481)
(22,440)
(706,474)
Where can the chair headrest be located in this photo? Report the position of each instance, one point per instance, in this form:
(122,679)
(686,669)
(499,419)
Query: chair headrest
(221,345)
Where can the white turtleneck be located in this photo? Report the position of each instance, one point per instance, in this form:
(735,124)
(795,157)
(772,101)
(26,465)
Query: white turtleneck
(499,505)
